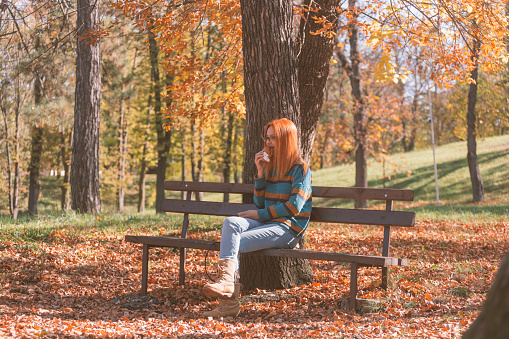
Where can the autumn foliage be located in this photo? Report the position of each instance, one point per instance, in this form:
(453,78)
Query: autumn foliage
(72,282)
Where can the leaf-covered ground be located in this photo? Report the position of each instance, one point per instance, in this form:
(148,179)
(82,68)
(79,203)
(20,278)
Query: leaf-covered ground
(69,285)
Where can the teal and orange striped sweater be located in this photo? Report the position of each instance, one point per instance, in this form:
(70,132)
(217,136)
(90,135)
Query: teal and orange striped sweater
(286,200)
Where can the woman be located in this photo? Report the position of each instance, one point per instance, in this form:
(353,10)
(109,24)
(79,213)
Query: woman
(283,198)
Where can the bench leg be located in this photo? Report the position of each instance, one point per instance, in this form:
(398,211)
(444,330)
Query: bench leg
(353,285)
(182,270)
(385,277)
(144,270)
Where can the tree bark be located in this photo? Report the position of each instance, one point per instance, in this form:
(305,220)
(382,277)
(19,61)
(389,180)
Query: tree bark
(143,162)
(122,149)
(85,196)
(473,165)
(360,119)
(35,170)
(271,91)
(270,72)
(13,178)
(65,198)
(314,55)
(34,187)
(492,321)
(163,136)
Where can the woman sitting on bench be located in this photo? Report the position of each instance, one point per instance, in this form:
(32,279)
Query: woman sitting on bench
(283,198)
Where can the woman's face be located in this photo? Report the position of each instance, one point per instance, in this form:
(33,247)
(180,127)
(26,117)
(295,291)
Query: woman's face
(271,138)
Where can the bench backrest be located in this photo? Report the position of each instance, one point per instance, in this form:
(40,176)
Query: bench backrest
(386,217)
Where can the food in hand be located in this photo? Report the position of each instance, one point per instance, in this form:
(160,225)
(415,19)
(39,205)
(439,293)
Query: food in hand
(266,153)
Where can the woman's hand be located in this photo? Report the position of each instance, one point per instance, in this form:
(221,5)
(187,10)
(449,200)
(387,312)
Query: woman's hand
(260,164)
(250,214)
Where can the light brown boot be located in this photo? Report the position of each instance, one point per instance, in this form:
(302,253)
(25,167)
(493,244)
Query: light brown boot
(227,307)
(224,286)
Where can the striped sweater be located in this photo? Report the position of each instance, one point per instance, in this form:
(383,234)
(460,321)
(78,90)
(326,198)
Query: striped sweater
(286,200)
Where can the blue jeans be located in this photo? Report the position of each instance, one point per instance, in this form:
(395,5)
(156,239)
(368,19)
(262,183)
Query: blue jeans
(246,235)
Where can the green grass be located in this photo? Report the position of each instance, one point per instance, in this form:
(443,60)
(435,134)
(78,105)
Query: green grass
(413,170)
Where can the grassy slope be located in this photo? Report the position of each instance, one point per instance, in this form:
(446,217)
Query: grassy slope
(414,170)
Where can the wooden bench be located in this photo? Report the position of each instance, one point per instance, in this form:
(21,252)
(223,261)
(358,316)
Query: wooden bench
(387,218)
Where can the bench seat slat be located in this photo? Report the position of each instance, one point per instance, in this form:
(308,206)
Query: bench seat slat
(161,241)
(318,214)
(318,191)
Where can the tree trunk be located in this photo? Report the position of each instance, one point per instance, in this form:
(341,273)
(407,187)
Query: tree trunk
(360,119)
(163,136)
(473,165)
(271,91)
(85,195)
(314,55)
(183,194)
(141,181)
(492,321)
(35,153)
(11,177)
(143,163)
(65,198)
(122,148)
(228,145)
(270,72)
(196,158)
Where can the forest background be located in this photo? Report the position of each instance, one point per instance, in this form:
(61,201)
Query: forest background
(195,89)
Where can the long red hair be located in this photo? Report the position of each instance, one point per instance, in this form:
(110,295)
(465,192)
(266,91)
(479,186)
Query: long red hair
(287,152)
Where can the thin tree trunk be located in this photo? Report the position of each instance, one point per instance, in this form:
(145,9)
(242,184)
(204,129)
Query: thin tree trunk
(143,163)
(323,152)
(228,151)
(473,165)
(183,161)
(17,172)
(197,158)
(85,196)
(360,119)
(9,164)
(122,157)
(35,169)
(271,91)
(35,153)
(163,136)
(65,198)
(141,180)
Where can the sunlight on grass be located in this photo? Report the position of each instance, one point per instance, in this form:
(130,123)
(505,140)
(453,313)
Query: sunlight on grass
(412,170)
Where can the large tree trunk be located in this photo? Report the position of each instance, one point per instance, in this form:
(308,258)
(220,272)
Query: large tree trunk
(271,91)
(492,321)
(85,195)
(314,55)
(473,165)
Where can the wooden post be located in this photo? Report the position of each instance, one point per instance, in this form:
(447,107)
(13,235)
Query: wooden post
(353,285)
(144,270)
(385,249)
(183,251)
